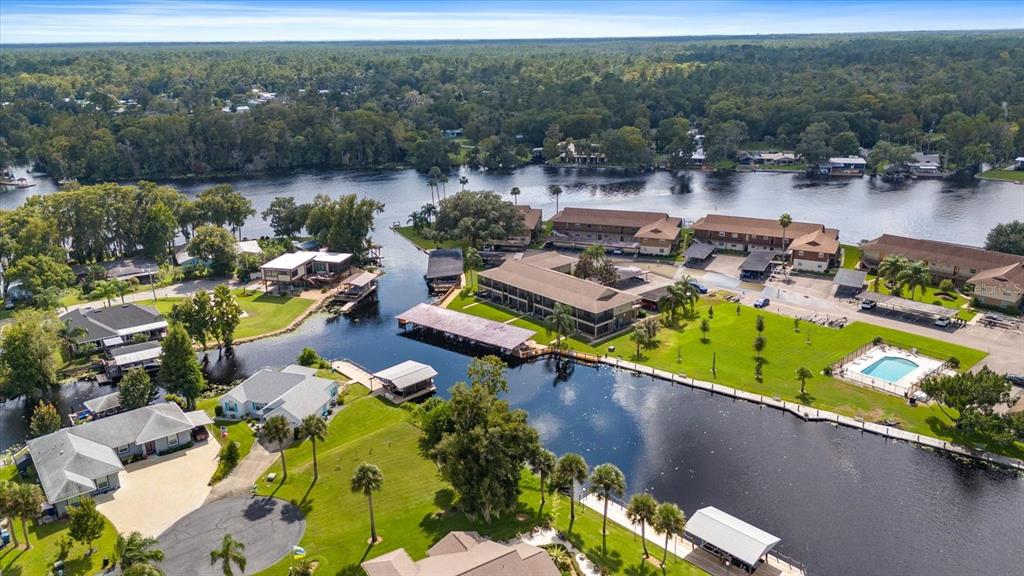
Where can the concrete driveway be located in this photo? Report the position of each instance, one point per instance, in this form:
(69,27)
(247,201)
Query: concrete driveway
(155,493)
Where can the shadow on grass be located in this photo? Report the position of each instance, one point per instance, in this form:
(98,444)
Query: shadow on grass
(806,398)
(610,561)
(271,299)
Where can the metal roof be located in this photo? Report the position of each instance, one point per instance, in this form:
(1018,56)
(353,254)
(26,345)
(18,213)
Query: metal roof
(904,305)
(741,540)
(504,336)
(757,261)
(848,278)
(132,353)
(443,263)
(104,403)
(699,251)
(406,374)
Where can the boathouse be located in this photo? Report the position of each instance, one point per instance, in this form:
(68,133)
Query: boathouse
(406,381)
(729,538)
(463,327)
(444,269)
(304,269)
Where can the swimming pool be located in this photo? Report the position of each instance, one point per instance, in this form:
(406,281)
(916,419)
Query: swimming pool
(890,368)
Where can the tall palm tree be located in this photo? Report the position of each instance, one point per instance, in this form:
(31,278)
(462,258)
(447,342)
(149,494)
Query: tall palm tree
(143,570)
(571,470)
(670,521)
(803,374)
(784,221)
(471,262)
(104,289)
(136,549)
(543,463)
(443,179)
(463,180)
(561,322)
(368,479)
(69,335)
(314,427)
(277,430)
(121,287)
(231,552)
(28,499)
(890,268)
(301,567)
(609,481)
(431,184)
(641,510)
(915,275)
(556,191)
(429,211)
(515,194)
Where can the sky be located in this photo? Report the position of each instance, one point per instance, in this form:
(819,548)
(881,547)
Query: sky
(66,21)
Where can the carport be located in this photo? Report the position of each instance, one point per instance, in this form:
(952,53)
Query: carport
(756,266)
(912,309)
(849,282)
(698,255)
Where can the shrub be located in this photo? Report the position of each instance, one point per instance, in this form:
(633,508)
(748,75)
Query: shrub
(953,362)
(308,357)
(181,402)
(827,370)
(229,456)
(877,340)
(947,286)
(218,411)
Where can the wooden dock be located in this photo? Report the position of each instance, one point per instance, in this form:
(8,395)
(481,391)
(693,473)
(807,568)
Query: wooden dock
(357,373)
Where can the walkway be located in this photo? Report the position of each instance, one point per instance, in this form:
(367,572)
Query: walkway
(245,475)
(684,548)
(356,372)
(546,536)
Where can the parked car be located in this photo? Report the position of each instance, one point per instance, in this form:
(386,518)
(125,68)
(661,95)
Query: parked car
(941,322)
(868,305)
(1015,379)
(617,251)
(762,303)
(700,287)
(200,433)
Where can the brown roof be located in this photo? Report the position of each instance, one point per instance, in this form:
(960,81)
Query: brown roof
(601,217)
(531,216)
(936,252)
(819,241)
(466,554)
(576,292)
(757,226)
(1009,278)
(664,229)
(549,260)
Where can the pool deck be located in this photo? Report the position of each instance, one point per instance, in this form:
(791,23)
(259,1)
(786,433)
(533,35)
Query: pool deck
(853,371)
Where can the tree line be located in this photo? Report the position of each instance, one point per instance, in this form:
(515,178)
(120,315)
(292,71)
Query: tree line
(133,112)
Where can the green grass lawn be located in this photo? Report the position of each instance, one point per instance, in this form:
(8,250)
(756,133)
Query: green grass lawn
(800,167)
(45,540)
(416,238)
(238,430)
(266,313)
(851,256)
(929,295)
(483,309)
(413,511)
(1005,175)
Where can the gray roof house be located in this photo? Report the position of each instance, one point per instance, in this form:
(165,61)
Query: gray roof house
(86,459)
(115,325)
(293,392)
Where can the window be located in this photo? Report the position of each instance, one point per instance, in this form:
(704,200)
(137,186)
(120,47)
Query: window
(800,252)
(720,234)
(103,483)
(172,440)
(124,449)
(735,235)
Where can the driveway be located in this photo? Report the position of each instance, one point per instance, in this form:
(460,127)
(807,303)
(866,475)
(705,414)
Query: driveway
(156,492)
(268,528)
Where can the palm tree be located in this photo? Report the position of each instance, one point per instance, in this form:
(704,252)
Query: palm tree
(368,479)
(641,339)
(471,261)
(277,430)
(670,521)
(784,221)
(143,570)
(314,427)
(571,469)
(759,344)
(890,268)
(609,481)
(443,179)
(231,551)
(802,374)
(543,464)
(561,322)
(641,510)
(435,180)
(301,567)
(561,558)
(28,498)
(915,275)
(463,180)
(429,211)
(136,549)
(104,289)
(69,335)
(515,194)
(556,191)
(431,184)
(417,220)
(121,287)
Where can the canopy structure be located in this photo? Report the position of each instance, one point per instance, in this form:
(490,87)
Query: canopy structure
(727,535)
(406,375)
(699,252)
(461,325)
(849,282)
(905,306)
(136,353)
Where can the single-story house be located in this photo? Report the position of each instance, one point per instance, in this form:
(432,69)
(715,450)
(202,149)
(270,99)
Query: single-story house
(114,325)
(444,269)
(141,267)
(465,554)
(1001,287)
(86,459)
(406,381)
(925,165)
(304,269)
(847,166)
(293,392)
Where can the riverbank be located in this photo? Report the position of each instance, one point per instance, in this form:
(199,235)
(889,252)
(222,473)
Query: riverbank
(1015,176)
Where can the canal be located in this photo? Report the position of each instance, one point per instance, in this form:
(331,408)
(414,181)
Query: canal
(842,502)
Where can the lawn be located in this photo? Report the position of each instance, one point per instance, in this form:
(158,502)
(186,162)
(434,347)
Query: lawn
(800,167)
(1005,175)
(483,309)
(416,238)
(265,313)
(930,295)
(413,511)
(238,430)
(851,256)
(45,540)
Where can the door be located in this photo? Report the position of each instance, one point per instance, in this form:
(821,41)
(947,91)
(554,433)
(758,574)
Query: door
(150,448)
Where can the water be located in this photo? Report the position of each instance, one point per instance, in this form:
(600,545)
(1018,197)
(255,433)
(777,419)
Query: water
(844,503)
(890,368)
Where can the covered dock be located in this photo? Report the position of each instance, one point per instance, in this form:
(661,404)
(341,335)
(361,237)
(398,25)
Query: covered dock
(466,327)
(143,355)
(697,255)
(444,269)
(849,282)
(359,285)
(406,381)
(756,266)
(729,538)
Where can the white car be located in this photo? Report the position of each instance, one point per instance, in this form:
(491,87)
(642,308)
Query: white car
(942,322)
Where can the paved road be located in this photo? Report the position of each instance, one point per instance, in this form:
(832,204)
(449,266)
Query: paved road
(267,526)
(182,289)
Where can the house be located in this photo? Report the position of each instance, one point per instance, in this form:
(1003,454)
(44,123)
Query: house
(531,289)
(809,246)
(140,267)
(945,260)
(583,153)
(444,269)
(775,158)
(249,247)
(1001,287)
(85,460)
(649,233)
(466,554)
(531,230)
(115,325)
(293,392)
(304,268)
(845,166)
(453,133)
(925,165)
(406,381)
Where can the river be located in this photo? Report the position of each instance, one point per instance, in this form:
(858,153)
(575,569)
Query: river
(842,502)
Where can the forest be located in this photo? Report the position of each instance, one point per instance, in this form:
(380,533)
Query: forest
(103,112)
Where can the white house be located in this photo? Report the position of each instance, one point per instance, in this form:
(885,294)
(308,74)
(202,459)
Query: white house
(293,392)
